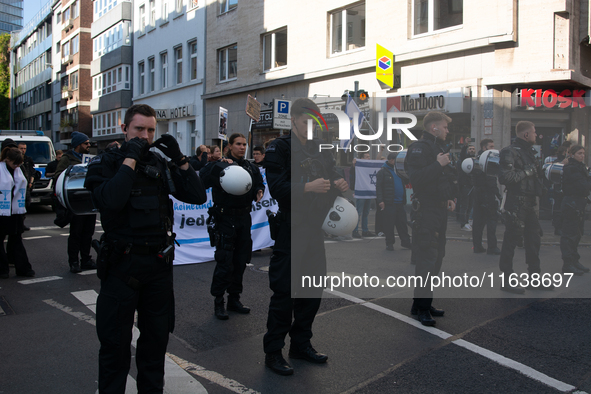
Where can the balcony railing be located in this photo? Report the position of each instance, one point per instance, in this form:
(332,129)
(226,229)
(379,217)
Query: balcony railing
(67,59)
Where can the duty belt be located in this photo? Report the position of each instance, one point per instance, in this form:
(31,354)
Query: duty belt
(143,249)
(233,211)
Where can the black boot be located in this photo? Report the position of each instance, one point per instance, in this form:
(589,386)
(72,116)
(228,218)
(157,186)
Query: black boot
(219,310)
(235,305)
(75,267)
(580,266)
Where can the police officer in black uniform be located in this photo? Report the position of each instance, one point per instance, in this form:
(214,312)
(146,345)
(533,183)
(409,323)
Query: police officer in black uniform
(231,215)
(576,186)
(521,173)
(303,181)
(130,187)
(486,194)
(434,183)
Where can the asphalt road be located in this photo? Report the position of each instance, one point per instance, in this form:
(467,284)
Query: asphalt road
(491,342)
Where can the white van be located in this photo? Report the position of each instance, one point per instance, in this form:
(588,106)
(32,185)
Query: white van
(40,149)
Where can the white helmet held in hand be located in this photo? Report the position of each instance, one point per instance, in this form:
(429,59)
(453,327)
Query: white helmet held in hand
(235,180)
(341,219)
(469,164)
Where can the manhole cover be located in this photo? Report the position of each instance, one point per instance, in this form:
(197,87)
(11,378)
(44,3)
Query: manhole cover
(5,308)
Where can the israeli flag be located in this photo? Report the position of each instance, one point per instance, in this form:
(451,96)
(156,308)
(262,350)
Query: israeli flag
(350,110)
(365,178)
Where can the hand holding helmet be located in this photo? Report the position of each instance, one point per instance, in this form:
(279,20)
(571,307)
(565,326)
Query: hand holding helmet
(530,170)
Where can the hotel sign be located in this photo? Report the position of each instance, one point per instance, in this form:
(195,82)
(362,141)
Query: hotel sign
(174,113)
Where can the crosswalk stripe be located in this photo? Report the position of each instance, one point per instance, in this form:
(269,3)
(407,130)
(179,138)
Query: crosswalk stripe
(37,237)
(38,280)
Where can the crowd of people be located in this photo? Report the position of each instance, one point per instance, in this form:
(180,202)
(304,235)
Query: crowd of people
(130,185)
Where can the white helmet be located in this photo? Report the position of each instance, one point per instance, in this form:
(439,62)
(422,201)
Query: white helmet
(553,172)
(70,191)
(341,219)
(235,180)
(489,162)
(470,164)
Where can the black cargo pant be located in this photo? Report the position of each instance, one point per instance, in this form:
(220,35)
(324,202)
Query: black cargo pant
(524,227)
(484,216)
(293,308)
(231,254)
(573,210)
(428,248)
(395,216)
(116,306)
(81,231)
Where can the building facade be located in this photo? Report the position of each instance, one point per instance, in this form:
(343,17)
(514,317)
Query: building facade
(111,69)
(31,72)
(74,51)
(169,66)
(523,61)
(11,15)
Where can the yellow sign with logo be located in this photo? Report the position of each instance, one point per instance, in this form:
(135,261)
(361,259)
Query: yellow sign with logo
(384,65)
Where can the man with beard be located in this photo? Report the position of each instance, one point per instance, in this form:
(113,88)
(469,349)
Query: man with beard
(81,226)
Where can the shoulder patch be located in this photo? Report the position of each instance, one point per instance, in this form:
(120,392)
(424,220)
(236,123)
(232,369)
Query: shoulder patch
(271,148)
(417,150)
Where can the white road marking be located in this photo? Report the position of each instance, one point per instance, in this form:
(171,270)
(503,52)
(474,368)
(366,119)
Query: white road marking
(65,235)
(78,315)
(48,227)
(502,360)
(212,376)
(87,272)
(38,280)
(38,237)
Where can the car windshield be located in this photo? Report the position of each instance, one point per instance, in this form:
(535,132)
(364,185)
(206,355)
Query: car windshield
(39,151)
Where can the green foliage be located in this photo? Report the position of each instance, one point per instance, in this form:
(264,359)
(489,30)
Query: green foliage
(5,81)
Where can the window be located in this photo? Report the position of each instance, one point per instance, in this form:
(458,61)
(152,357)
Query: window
(66,49)
(275,49)
(164,11)
(74,81)
(141,77)
(74,8)
(101,7)
(164,71)
(142,19)
(432,15)
(112,39)
(178,6)
(227,5)
(75,44)
(151,78)
(110,81)
(348,23)
(152,13)
(66,15)
(193,52)
(107,123)
(228,63)
(194,3)
(178,58)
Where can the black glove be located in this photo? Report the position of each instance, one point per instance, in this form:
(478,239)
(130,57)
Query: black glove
(530,170)
(137,148)
(168,145)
